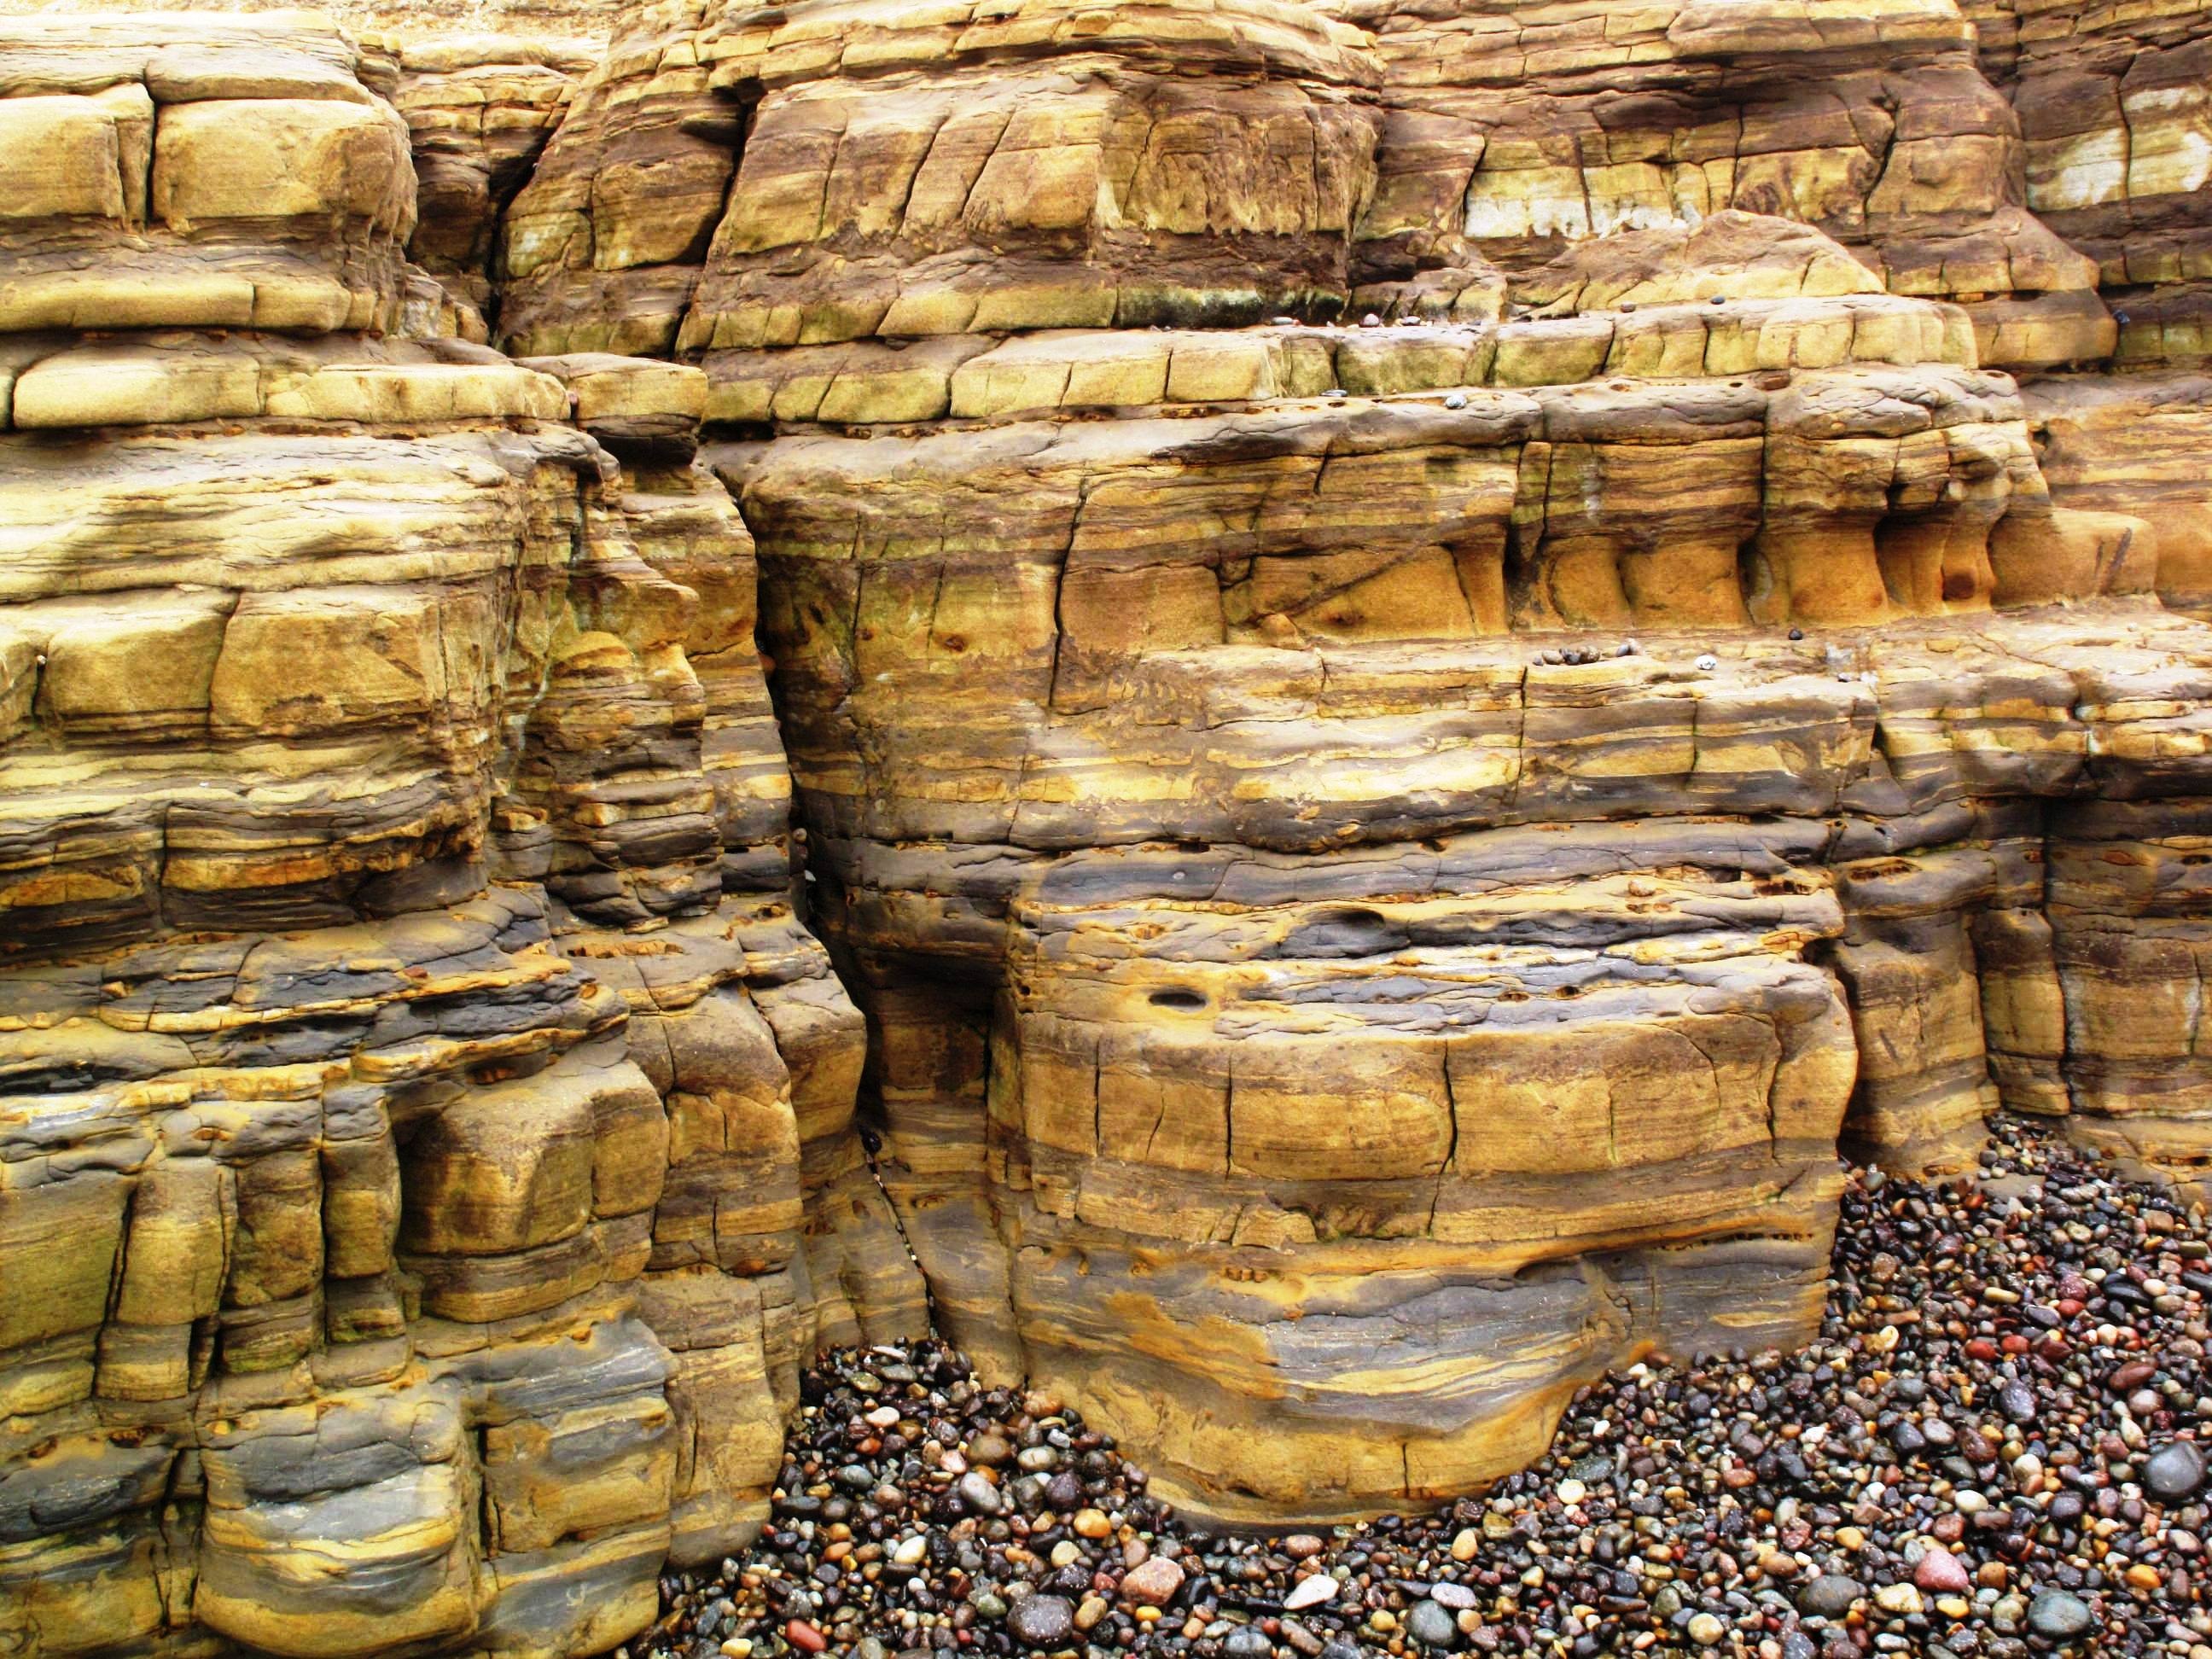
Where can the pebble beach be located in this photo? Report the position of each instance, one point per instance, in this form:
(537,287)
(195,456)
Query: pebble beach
(1994,1448)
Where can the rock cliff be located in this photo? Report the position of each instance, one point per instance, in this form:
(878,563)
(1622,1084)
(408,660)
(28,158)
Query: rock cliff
(1364,672)
(427,1151)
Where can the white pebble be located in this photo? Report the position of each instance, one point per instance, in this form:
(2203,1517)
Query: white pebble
(1311,1592)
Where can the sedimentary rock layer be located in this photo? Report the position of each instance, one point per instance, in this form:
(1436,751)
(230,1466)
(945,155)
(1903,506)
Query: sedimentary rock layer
(1681,484)
(1425,650)
(425,1147)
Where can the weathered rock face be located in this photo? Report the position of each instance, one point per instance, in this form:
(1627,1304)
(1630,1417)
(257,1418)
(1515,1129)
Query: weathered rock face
(1425,649)
(1529,127)
(478,108)
(425,1143)
(1300,998)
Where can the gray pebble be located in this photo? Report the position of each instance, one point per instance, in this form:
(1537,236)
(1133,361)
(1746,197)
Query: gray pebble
(979,1494)
(1829,1596)
(1432,1626)
(2058,1617)
(2174,1473)
(1041,1621)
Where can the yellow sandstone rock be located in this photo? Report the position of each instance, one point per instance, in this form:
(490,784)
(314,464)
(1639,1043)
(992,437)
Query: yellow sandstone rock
(395,880)
(1412,654)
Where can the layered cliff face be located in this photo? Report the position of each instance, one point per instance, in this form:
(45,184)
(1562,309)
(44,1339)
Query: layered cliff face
(1418,646)
(1425,649)
(425,1144)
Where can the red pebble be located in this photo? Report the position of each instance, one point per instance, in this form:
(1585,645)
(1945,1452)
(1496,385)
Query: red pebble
(1981,1348)
(1940,1573)
(2015,1343)
(800,1634)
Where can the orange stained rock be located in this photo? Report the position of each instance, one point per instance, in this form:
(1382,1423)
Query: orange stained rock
(1361,677)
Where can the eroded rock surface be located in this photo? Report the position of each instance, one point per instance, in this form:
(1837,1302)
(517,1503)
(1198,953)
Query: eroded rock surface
(425,1137)
(1233,544)
(1424,651)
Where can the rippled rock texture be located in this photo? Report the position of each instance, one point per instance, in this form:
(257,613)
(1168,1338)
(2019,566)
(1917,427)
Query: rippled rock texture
(1424,650)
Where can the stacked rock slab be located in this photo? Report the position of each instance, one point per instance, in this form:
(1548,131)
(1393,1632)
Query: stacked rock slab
(425,1145)
(1528,127)
(479,108)
(1424,647)
(2114,124)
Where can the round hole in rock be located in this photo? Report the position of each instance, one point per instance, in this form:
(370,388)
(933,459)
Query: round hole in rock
(1184,1000)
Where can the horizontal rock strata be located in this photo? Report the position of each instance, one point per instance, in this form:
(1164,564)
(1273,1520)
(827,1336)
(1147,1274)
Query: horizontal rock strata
(425,1147)
(1712,509)
(1411,656)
